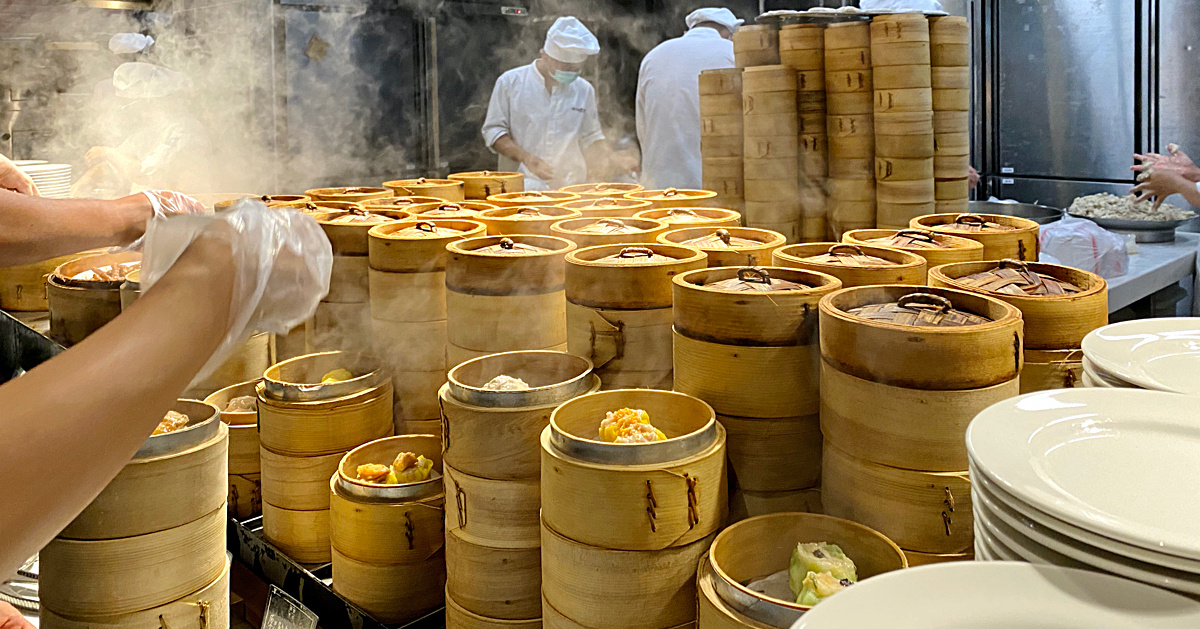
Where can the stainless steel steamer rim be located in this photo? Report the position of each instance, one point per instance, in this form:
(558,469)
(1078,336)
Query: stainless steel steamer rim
(286,391)
(656,452)
(193,434)
(407,492)
(551,394)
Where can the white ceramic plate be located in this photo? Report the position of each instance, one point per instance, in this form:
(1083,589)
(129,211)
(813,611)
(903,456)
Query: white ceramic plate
(46,168)
(1160,354)
(1103,380)
(1001,595)
(1117,462)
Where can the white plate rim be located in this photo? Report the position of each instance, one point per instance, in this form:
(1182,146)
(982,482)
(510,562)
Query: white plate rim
(1096,348)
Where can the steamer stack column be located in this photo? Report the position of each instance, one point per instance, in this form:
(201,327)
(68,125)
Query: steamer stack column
(721,136)
(772,149)
(802,47)
(851,127)
(950,51)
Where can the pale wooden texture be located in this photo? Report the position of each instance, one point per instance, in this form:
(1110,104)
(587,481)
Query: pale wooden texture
(721,81)
(924,357)
(348,280)
(749,317)
(950,54)
(914,429)
(613,380)
(495,513)
(1051,321)
(755,45)
(128,574)
(459,618)
(646,231)
(747,381)
(501,583)
(847,35)
(408,297)
(619,588)
(924,511)
(325,427)
(77,312)
(635,284)
(902,77)
(392,594)
(221,398)
(609,206)
(781,454)
(301,535)
(470,271)
(511,221)
(457,355)
(419,346)
(506,323)
(908,268)
(23,287)
(448,189)
(394,252)
(900,53)
(745,504)
(961,250)
(299,483)
(158,493)
(416,397)
(905,124)
(672,197)
(715,613)
(624,341)
(1020,243)
(1052,369)
(543,197)
(483,184)
(341,194)
(924,559)
(712,216)
(385,532)
(350,239)
(420,427)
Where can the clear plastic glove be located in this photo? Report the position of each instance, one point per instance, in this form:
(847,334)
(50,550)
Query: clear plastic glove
(1085,245)
(167,203)
(283,260)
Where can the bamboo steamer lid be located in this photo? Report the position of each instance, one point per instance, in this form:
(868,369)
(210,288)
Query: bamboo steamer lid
(459,618)
(709,307)
(493,513)
(850,103)
(857,58)
(398,203)
(596,493)
(481,184)
(854,265)
(504,583)
(1052,369)
(348,194)
(721,81)
(502,265)
(625,277)
(951,77)
(924,559)
(730,377)
(449,189)
(747,504)
(298,483)
(526,219)
(900,53)
(619,207)
(283,200)
(416,246)
(590,232)
(681,217)
(727,246)
(347,230)
(914,429)
(926,511)
(1053,320)
(106,577)
(532,197)
(937,249)
(494,434)
(922,356)
(763,545)
(593,584)
(440,209)
(1002,236)
(602,190)
(672,197)
(173,479)
(23,287)
(847,35)
(950,54)
(777,454)
(392,594)
(315,207)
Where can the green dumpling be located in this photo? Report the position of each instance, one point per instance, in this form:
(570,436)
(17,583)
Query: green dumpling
(819,557)
(817,586)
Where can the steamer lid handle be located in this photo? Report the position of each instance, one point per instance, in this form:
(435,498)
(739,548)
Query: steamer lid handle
(836,250)
(631,252)
(917,234)
(975,219)
(753,274)
(943,305)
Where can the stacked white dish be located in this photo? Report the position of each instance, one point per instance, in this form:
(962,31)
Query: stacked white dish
(1098,479)
(1155,354)
(53,180)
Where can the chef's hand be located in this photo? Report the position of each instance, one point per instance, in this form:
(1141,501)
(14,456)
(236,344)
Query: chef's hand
(627,163)
(169,203)
(15,179)
(1159,184)
(972,177)
(10,618)
(1176,160)
(539,168)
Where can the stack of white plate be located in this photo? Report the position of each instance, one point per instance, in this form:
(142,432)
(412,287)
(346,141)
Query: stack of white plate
(1099,479)
(1155,354)
(52,180)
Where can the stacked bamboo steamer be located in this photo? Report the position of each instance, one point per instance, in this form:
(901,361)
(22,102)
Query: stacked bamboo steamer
(851,126)
(802,47)
(1003,237)
(746,343)
(681,217)
(525,220)
(80,306)
(905,370)
(756,45)
(937,249)
(619,312)
(408,313)
(590,232)
(492,467)
(23,287)
(505,293)
(593,191)
(152,544)
(903,118)
(350,194)
(728,246)
(675,197)
(855,265)
(624,525)
(448,189)
(1055,320)
(532,197)
(748,504)
(245,478)
(305,427)
(950,48)
(607,207)
(387,540)
(481,184)
(448,209)
(772,149)
(721,144)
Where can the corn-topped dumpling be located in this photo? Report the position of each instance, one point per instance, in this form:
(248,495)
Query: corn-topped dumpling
(818,570)
(407,468)
(173,421)
(629,425)
(337,375)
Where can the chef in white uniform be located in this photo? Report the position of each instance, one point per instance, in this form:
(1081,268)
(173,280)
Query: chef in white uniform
(543,120)
(668,98)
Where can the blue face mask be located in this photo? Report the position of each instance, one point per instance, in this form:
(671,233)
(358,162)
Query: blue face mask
(564,77)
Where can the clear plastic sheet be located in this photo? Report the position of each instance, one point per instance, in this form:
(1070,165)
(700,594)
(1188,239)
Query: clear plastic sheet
(1085,245)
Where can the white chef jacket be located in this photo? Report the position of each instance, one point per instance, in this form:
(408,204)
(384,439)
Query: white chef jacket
(555,126)
(668,106)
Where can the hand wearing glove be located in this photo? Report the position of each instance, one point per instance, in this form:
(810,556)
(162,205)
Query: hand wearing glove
(15,179)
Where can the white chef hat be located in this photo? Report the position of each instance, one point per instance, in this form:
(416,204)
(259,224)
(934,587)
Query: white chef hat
(724,17)
(569,41)
(146,80)
(128,43)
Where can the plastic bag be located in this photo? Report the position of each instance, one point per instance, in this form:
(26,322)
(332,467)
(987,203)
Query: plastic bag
(129,43)
(1085,245)
(901,5)
(282,260)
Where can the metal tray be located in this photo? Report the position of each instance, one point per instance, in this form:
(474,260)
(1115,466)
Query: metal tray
(1143,231)
(1040,214)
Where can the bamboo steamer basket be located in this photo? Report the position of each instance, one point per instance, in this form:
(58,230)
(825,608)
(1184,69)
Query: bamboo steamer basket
(591,232)
(847,35)
(594,584)
(952,189)
(763,545)
(472,268)
(770,148)
(761,124)
(724,251)
(924,559)
(955,166)
(747,504)
(297,483)
(952,99)
(846,126)
(671,197)
(23,287)
(905,124)
(803,59)
(915,429)
(449,189)
(80,307)
(766,171)
(791,230)
(857,169)
(848,215)
(858,58)
(769,103)
(776,318)
(315,207)
(731,377)
(593,191)
(348,194)
(391,594)
(811,101)
(532,197)
(755,45)
(950,54)
(720,105)
(350,239)
(951,122)
(406,204)
(860,80)
(928,512)
(301,535)
(852,147)
(503,583)
(598,493)
(949,29)
(106,577)
(248,361)
(851,103)
(952,144)
(493,513)
(441,210)
(611,380)
(494,434)
(906,147)
(892,215)
(1019,243)
(720,81)
(635,344)
(387,524)
(412,247)
(173,479)
(348,280)
(949,248)
(554,619)
(911,53)
(416,399)
(801,37)
(900,27)
(420,427)
(1051,369)
(344,327)
(902,267)
(956,206)
(905,192)
(618,207)
(244,466)
(924,357)
(458,355)
(212,601)
(782,454)
(851,189)
(810,81)
(481,184)
(622,277)
(409,347)
(902,101)
(902,77)
(680,217)
(1051,321)
(900,169)
(525,220)
(956,78)
(713,612)
(459,618)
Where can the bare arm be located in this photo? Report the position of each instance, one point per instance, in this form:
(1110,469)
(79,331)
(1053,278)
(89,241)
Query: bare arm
(509,148)
(71,424)
(33,228)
